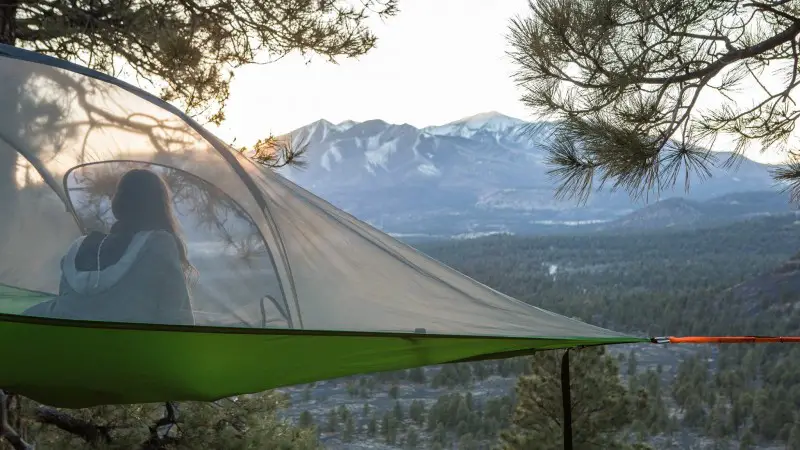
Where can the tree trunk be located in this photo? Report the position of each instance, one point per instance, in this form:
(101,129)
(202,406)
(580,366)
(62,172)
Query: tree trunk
(8,22)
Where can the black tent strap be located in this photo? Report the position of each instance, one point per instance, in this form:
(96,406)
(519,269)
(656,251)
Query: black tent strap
(566,399)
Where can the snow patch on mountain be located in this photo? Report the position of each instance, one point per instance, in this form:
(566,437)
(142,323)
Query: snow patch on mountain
(332,152)
(321,126)
(346,125)
(489,122)
(429,170)
(378,155)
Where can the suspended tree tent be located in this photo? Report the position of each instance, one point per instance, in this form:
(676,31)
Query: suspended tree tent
(289,289)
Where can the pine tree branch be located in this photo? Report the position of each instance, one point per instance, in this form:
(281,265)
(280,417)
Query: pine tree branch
(787,35)
(187,49)
(624,84)
(277,152)
(790,174)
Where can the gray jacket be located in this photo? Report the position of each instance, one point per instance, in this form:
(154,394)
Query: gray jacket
(146,285)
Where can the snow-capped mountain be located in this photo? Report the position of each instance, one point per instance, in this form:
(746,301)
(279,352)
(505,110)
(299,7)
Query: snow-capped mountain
(485,172)
(483,123)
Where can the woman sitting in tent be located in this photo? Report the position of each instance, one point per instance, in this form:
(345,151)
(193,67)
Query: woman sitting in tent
(136,273)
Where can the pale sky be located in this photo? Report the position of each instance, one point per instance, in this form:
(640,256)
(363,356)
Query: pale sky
(435,62)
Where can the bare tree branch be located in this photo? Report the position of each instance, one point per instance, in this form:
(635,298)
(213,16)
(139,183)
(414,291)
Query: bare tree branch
(89,432)
(6,431)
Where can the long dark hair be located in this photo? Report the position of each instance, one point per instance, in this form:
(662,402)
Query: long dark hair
(143,202)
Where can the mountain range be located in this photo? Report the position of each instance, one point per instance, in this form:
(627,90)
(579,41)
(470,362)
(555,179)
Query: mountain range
(487,174)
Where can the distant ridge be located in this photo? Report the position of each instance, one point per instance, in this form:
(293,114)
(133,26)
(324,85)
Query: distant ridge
(482,173)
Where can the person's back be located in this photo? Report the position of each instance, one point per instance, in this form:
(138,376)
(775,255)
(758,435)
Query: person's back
(136,273)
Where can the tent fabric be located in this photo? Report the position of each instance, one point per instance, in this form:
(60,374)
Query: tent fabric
(15,301)
(78,364)
(283,279)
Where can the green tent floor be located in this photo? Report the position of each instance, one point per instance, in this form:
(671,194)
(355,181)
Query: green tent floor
(75,364)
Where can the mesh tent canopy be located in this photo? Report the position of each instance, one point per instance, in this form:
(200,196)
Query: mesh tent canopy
(288,289)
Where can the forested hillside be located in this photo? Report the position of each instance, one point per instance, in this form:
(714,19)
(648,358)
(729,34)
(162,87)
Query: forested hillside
(654,283)
(738,279)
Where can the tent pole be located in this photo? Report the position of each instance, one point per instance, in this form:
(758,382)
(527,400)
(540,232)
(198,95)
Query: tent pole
(566,400)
